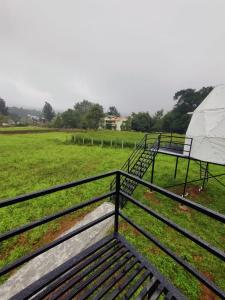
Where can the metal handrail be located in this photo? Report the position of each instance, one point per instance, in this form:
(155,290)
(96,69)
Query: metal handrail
(137,151)
(116,213)
(144,144)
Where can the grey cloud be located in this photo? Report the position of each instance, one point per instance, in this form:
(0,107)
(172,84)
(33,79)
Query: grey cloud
(134,54)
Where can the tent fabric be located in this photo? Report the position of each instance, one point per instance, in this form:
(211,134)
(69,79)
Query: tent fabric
(207,128)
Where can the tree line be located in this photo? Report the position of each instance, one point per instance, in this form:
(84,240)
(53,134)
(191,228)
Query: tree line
(89,115)
(176,120)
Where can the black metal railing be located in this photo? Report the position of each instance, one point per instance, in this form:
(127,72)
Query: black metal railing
(148,143)
(22,229)
(205,245)
(118,213)
(144,155)
(175,143)
(151,142)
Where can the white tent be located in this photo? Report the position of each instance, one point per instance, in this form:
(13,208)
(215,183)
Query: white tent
(207,128)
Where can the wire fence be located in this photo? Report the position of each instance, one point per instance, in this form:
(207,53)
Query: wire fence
(88,141)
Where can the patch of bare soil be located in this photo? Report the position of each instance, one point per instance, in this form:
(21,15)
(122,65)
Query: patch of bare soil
(183,208)
(207,294)
(151,196)
(154,250)
(222,238)
(64,224)
(198,258)
(126,227)
(22,240)
(193,192)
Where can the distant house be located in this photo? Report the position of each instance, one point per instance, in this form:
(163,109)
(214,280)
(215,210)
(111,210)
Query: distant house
(113,123)
(8,123)
(35,119)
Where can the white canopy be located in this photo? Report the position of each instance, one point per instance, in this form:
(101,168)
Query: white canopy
(207,128)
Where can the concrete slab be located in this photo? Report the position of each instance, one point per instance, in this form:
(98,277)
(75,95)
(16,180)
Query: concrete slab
(51,259)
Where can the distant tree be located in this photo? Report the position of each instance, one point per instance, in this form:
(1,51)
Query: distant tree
(94,116)
(58,122)
(188,100)
(83,106)
(3,108)
(167,122)
(157,120)
(126,125)
(141,121)
(69,119)
(113,111)
(81,110)
(48,112)
(85,114)
(177,120)
(23,112)
(158,115)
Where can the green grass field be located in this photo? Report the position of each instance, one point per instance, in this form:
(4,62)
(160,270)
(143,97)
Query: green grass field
(35,161)
(18,128)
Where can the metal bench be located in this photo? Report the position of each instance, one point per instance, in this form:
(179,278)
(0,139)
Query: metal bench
(110,268)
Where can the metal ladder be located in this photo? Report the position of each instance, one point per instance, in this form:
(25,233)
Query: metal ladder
(137,164)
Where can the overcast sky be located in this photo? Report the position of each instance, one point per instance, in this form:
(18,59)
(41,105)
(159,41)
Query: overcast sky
(134,54)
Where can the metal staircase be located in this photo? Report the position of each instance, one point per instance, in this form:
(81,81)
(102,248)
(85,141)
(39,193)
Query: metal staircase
(137,164)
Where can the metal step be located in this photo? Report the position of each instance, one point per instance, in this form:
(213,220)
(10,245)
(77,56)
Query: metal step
(137,164)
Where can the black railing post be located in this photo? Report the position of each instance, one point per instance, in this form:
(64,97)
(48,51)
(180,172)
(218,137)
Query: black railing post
(205,175)
(145,141)
(117,203)
(175,171)
(153,168)
(159,140)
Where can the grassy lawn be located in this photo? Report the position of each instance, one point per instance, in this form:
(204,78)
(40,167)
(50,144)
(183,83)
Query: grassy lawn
(18,128)
(33,162)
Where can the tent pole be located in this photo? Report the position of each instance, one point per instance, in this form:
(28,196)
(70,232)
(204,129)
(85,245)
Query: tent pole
(186,177)
(200,169)
(205,175)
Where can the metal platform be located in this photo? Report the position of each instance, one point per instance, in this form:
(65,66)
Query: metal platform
(172,153)
(109,269)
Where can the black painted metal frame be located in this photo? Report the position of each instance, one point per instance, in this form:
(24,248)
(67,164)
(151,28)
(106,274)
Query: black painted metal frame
(169,140)
(169,144)
(175,144)
(115,240)
(178,149)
